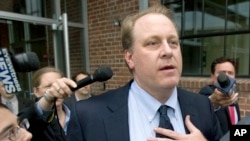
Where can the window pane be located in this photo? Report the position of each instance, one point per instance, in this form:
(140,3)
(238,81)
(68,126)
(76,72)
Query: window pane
(191,56)
(238,15)
(238,47)
(214,16)
(211,29)
(192,17)
(213,47)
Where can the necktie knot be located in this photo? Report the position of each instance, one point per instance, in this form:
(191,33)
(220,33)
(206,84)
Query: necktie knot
(163,110)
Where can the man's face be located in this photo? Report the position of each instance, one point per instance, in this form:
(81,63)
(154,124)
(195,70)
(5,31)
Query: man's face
(155,58)
(84,90)
(3,91)
(225,67)
(8,124)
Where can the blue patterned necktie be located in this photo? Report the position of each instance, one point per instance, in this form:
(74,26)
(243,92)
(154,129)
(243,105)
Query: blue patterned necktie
(164,120)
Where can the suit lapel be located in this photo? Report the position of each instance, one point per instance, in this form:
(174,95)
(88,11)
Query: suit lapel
(117,125)
(187,108)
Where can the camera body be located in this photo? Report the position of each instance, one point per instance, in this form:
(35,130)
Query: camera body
(226,84)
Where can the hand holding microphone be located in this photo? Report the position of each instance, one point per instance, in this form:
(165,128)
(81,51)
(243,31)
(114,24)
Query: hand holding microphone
(64,87)
(225,93)
(225,84)
(101,74)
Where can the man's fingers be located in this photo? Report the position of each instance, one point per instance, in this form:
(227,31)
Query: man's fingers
(169,133)
(189,124)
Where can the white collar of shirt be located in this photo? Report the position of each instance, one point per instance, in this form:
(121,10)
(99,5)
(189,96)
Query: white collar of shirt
(14,102)
(143,115)
(149,104)
(76,96)
(13,99)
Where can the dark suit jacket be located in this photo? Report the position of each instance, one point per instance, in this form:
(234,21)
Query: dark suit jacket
(70,101)
(105,117)
(43,128)
(222,113)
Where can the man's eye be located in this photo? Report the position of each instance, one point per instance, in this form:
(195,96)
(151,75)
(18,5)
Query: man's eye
(152,44)
(173,43)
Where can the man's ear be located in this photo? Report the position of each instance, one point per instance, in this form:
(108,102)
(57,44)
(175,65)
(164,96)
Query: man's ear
(128,55)
(213,78)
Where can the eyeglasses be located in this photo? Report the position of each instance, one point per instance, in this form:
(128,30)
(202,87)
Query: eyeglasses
(14,133)
(24,124)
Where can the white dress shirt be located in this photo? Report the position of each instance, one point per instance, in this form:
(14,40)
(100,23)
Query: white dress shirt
(143,115)
(14,103)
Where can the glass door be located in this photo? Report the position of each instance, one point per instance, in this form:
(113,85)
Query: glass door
(43,30)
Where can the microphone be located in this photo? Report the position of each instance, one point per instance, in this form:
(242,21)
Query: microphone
(225,84)
(10,64)
(25,62)
(101,74)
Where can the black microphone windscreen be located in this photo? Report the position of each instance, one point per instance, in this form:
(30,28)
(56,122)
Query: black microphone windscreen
(25,62)
(223,80)
(33,61)
(103,73)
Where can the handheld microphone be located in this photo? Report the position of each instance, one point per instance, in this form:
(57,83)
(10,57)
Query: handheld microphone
(225,84)
(10,64)
(25,62)
(101,74)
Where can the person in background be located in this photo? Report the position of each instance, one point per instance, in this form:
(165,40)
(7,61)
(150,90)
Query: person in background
(130,113)
(81,93)
(13,101)
(223,102)
(10,128)
(49,116)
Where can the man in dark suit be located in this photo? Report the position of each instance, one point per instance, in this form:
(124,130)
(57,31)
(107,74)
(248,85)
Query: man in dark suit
(13,101)
(153,55)
(223,102)
(81,93)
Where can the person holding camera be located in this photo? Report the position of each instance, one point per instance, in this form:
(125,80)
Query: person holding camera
(225,105)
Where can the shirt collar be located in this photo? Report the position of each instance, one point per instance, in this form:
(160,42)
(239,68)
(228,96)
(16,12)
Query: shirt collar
(13,99)
(149,104)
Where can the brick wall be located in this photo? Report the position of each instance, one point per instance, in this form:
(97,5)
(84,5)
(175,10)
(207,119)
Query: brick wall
(105,40)
(105,48)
